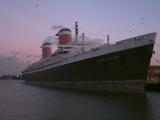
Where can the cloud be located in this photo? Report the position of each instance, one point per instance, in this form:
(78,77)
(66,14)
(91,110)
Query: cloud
(56,27)
(36,5)
(51,39)
(87,40)
(37,56)
(28,56)
(16,52)
(10,65)
(21,53)
(33,56)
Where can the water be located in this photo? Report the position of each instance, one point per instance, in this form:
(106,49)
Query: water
(19,101)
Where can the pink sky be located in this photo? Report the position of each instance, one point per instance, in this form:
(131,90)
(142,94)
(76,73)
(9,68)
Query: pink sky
(25,24)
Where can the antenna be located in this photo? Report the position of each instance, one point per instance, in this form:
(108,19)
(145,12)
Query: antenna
(76,31)
(108,39)
(28,63)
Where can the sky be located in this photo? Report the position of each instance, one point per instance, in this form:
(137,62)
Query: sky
(25,24)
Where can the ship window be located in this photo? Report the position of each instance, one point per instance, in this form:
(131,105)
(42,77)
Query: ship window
(65,52)
(53,55)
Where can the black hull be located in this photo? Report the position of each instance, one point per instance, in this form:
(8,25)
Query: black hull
(131,64)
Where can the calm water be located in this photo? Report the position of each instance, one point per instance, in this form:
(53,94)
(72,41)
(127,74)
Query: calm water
(19,101)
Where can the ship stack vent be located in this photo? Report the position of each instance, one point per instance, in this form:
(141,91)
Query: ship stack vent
(64,36)
(46,50)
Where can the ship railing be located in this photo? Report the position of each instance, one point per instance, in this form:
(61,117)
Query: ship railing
(135,40)
(91,53)
(80,55)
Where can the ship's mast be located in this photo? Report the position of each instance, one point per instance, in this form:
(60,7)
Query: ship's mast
(76,31)
(108,39)
(28,63)
(83,42)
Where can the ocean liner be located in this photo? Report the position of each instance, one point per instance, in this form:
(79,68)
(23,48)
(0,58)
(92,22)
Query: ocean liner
(122,66)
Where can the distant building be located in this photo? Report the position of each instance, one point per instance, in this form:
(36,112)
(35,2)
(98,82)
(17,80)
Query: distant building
(9,77)
(6,77)
(154,73)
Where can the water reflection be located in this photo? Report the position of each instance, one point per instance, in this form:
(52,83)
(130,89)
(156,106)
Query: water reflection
(111,106)
(24,102)
(153,99)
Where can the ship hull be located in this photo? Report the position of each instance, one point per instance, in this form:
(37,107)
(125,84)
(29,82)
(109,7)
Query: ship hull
(119,68)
